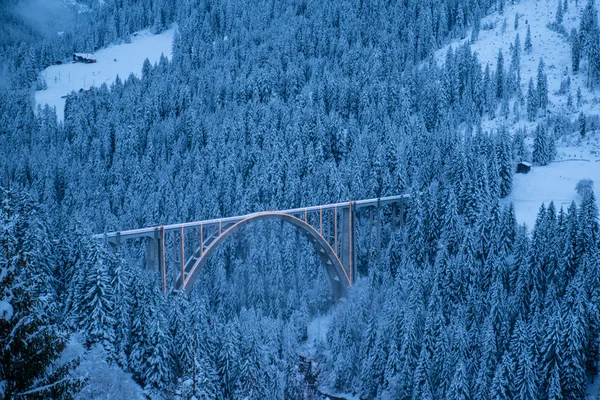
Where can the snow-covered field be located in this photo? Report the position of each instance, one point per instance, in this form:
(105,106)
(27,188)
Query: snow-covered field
(121,60)
(555,182)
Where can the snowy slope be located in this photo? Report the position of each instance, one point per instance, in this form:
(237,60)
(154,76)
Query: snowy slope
(552,47)
(555,182)
(121,60)
(576,159)
(105,381)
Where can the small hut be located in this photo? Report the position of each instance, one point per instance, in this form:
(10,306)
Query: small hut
(523,167)
(84,58)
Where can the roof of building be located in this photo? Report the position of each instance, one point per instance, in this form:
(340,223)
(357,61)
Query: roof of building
(84,55)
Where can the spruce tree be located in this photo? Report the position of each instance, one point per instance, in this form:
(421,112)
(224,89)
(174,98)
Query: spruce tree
(559,13)
(582,125)
(500,75)
(528,46)
(532,101)
(96,307)
(575,50)
(31,331)
(542,87)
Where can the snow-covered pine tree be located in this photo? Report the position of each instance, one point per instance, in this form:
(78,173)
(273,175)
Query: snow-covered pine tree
(528,46)
(543,146)
(542,87)
(121,283)
(156,367)
(31,333)
(575,50)
(500,75)
(95,308)
(559,13)
(532,101)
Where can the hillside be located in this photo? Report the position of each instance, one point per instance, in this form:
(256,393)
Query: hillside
(115,60)
(273,105)
(576,157)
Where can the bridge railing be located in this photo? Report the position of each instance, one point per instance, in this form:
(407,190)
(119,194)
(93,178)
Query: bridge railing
(149,231)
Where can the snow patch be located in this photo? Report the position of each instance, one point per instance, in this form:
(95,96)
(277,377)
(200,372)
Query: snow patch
(122,60)
(105,381)
(554,182)
(6,310)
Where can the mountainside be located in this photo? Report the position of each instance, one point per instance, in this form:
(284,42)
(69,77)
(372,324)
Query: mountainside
(269,105)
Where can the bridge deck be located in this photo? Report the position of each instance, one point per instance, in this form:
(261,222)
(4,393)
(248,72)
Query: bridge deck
(150,231)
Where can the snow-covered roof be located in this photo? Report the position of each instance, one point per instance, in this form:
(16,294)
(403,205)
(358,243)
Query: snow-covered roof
(84,55)
(525,163)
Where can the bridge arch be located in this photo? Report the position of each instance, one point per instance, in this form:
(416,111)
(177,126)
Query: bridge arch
(338,276)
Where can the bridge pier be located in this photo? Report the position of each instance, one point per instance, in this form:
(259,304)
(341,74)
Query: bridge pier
(151,254)
(348,234)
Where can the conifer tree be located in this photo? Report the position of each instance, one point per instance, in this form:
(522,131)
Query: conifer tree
(582,125)
(575,50)
(532,101)
(500,75)
(31,334)
(559,13)
(542,87)
(96,307)
(528,46)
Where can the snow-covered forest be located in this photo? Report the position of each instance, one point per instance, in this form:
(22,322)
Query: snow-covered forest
(267,105)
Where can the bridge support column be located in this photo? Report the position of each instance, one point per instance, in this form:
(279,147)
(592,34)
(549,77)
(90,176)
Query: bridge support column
(347,235)
(159,237)
(151,254)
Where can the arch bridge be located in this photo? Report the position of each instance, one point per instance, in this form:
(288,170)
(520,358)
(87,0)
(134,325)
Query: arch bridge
(330,228)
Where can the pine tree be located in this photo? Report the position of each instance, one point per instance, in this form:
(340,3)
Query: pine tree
(526,378)
(500,75)
(559,13)
(228,360)
(582,125)
(575,50)
(459,388)
(31,333)
(528,46)
(505,167)
(573,369)
(500,389)
(96,307)
(156,365)
(542,87)
(544,148)
(532,101)
(121,298)
(589,229)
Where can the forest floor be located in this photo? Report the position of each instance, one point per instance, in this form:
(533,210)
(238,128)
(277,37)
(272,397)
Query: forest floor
(116,60)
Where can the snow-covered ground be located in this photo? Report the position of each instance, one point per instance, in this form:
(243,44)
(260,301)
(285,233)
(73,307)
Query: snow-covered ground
(547,44)
(576,159)
(555,182)
(105,381)
(317,331)
(121,60)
